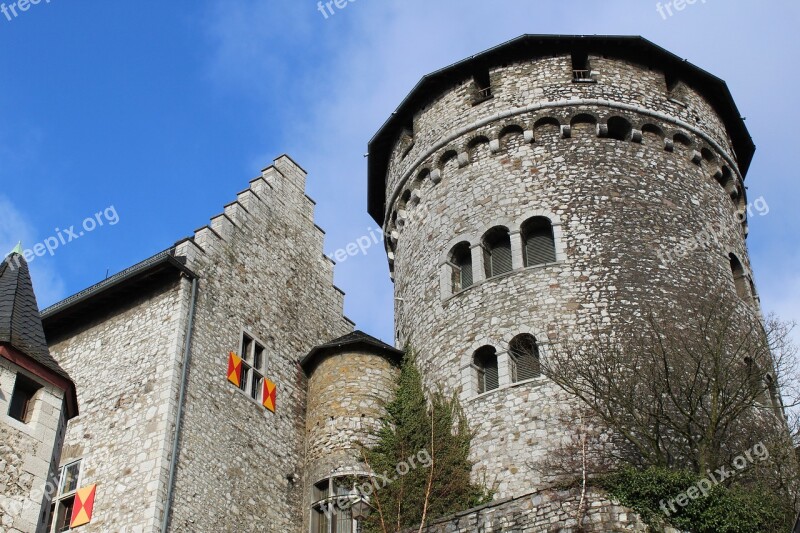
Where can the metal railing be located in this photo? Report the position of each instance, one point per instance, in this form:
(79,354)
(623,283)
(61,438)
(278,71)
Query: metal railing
(582,75)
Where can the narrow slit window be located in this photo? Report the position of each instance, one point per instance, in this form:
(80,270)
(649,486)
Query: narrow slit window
(740,279)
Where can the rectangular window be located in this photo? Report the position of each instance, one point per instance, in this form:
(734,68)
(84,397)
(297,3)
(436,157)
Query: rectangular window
(254,362)
(69,478)
(61,509)
(581,72)
(482,87)
(21,405)
(64,517)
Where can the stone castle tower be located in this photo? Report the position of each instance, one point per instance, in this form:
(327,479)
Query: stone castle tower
(540,186)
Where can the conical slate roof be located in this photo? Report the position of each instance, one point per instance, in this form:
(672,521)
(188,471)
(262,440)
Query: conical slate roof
(20,322)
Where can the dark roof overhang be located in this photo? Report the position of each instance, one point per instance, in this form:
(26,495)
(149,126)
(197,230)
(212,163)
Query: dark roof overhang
(126,285)
(358,341)
(633,48)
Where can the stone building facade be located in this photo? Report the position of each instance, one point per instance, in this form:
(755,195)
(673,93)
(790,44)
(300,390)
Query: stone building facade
(541,188)
(528,192)
(256,274)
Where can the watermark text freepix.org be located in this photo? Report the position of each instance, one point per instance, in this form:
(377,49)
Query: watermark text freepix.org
(376,482)
(665,9)
(65,236)
(20,6)
(327,8)
(701,488)
(360,245)
(709,236)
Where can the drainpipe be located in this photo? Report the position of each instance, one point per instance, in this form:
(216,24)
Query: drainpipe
(187,355)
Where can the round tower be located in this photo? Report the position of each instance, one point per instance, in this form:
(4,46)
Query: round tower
(350,381)
(537,188)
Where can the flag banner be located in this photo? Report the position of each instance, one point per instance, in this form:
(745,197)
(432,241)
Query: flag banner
(235,369)
(84,505)
(270,394)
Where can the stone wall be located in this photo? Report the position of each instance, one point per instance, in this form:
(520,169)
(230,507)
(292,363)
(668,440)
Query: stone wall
(620,208)
(544,511)
(347,393)
(26,452)
(262,269)
(125,366)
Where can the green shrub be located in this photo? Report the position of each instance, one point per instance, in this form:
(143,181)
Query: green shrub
(723,509)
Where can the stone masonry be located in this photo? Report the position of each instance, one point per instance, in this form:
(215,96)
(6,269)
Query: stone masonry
(26,452)
(347,394)
(628,152)
(260,269)
(627,166)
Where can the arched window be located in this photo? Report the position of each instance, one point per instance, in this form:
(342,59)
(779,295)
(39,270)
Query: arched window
(538,243)
(497,252)
(485,363)
(461,267)
(740,278)
(524,352)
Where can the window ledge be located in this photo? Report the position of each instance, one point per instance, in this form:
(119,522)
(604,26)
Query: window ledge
(27,428)
(537,381)
(247,396)
(453,296)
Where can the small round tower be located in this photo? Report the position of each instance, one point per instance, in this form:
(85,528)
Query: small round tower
(542,186)
(350,381)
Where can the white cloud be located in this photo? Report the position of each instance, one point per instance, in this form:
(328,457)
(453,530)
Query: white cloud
(14,228)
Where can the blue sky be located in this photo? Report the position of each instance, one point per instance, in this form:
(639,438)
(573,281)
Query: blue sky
(165,110)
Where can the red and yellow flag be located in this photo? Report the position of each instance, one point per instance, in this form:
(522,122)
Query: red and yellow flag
(84,505)
(269,396)
(235,369)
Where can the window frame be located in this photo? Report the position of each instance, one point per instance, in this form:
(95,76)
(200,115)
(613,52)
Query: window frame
(61,498)
(515,357)
(22,410)
(742,283)
(254,365)
(531,228)
(480,369)
(493,240)
(330,522)
(463,252)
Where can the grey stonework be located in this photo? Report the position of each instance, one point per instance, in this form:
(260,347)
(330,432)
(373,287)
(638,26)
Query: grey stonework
(261,269)
(620,199)
(540,145)
(551,511)
(347,395)
(126,368)
(26,453)
(271,278)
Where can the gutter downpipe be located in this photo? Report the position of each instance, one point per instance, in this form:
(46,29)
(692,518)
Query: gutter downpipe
(187,354)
